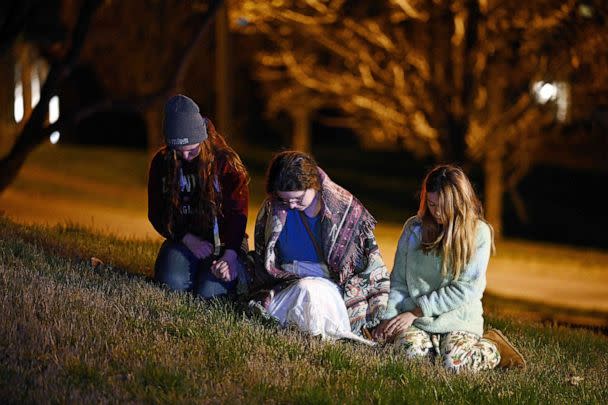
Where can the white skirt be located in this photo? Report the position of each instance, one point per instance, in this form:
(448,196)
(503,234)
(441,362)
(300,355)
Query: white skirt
(314,304)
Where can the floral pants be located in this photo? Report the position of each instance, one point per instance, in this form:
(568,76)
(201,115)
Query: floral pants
(458,351)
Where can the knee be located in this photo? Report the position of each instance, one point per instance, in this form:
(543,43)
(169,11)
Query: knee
(457,351)
(308,284)
(208,286)
(174,266)
(213,289)
(413,345)
(416,352)
(174,279)
(315,286)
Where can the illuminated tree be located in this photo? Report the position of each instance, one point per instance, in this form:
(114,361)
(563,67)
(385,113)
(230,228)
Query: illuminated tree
(449,79)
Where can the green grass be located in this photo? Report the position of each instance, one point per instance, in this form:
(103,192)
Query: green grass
(110,176)
(78,334)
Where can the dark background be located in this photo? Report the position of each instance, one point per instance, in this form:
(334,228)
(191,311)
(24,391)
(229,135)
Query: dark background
(565,201)
(564,205)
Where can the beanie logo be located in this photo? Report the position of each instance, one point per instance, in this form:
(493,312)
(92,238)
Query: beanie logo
(177,141)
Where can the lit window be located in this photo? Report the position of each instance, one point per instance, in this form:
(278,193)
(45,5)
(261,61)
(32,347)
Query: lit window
(18,106)
(53,117)
(558,92)
(54,109)
(54,138)
(544,92)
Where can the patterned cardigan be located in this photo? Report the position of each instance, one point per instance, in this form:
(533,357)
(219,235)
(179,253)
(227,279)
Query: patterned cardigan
(350,251)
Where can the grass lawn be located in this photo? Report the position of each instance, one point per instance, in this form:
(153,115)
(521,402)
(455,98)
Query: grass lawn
(74,333)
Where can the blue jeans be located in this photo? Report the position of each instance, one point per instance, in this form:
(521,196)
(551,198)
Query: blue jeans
(178,268)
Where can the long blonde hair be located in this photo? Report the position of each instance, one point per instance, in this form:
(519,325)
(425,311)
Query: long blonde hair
(459,210)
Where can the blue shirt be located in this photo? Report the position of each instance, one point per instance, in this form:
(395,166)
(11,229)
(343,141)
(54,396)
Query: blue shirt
(294,242)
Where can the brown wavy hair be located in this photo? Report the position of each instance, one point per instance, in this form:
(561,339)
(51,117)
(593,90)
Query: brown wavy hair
(214,151)
(292,171)
(459,209)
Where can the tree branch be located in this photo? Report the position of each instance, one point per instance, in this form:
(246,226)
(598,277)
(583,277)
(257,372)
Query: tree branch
(144,102)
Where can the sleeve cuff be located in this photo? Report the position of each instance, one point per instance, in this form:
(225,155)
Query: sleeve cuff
(423,303)
(392,311)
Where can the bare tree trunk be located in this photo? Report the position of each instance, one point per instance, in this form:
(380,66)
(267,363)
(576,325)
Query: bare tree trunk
(519,204)
(301,129)
(223,72)
(494,188)
(455,145)
(26,78)
(495,155)
(154,122)
(8,127)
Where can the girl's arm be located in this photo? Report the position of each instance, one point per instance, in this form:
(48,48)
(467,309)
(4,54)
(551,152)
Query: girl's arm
(399,298)
(470,284)
(260,277)
(366,292)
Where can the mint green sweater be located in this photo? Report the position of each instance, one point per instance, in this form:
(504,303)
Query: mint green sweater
(416,281)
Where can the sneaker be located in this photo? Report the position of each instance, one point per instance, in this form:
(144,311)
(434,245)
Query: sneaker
(509,356)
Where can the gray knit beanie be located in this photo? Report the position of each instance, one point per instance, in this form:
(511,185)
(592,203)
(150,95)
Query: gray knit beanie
(183,123)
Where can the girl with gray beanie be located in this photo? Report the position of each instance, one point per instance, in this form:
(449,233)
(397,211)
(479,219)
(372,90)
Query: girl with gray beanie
(198,201)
